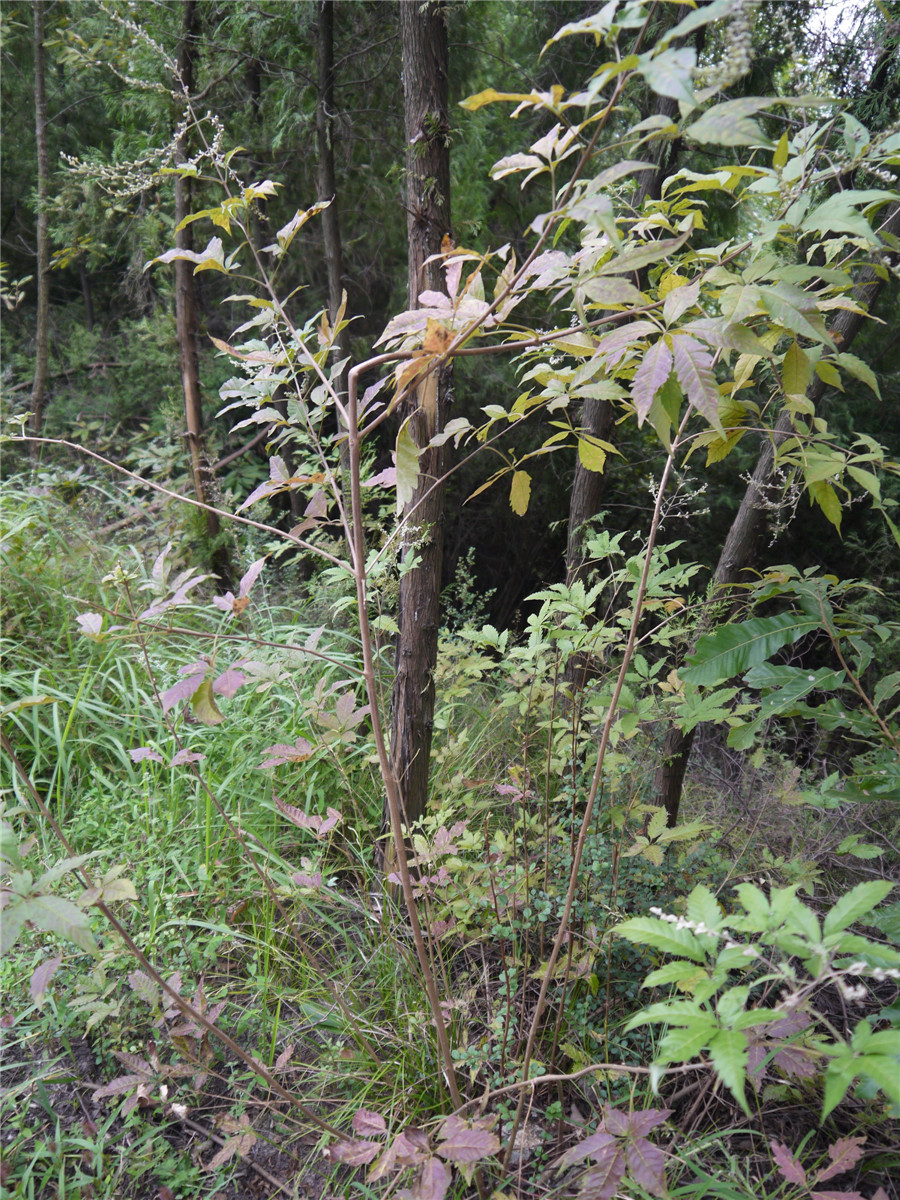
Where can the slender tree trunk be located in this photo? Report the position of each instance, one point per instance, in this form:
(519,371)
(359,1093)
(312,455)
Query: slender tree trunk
(331,224)
(425,96)
(743,537)
(42,328)
(186,307)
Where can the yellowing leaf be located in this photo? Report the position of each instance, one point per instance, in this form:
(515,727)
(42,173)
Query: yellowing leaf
(591,455)
(437,337)
(407,467)
(520,492)
(490,96)
(204,705)
(780,157)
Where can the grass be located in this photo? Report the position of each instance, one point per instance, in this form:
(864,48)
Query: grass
(318,981)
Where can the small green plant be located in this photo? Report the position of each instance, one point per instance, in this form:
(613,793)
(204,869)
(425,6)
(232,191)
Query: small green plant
(748,982)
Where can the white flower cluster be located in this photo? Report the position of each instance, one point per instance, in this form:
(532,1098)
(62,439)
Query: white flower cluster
(737,58)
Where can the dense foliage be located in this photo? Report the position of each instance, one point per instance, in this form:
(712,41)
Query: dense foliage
(450,618)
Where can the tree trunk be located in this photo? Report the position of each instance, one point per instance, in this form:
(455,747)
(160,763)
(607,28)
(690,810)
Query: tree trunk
(425,96)
(331,224)
(186,308)
(743,537)
(42,327)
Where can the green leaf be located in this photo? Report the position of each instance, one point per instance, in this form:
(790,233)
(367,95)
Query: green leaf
(681,1045)
(828,501)
(662,935)
(733,649)
(729,124)
(793,318)
(859,370)
(520,492)
(728,1051)
(795,371)
(407,467)
(669,73)
(60,916)
(839,1075)
(856,903)
(14,916)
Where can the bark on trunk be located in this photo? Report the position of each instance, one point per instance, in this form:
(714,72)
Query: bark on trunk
(331,224)
(186,309)
(743,537)
(425,94)
(42,273)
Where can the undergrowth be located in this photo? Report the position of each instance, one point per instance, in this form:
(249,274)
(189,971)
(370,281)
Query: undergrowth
(246,871)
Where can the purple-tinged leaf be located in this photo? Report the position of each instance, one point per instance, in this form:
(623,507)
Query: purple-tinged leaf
(599,1142)
(367,1123)
(228,682)
(123,1084)
(248,580)
(844,1154)
(406,1150)
(602,1181)
(613,346)
(650,377)
(40,980)
(468,1145)
(327,823)
(184,757)
(226,603)
(643,1120)
(91,625)
(433,1181)
(443,841)
(280,753)
(353,1152)
(647,1166)
(797,1062)
(261,492)
(142,753)
(615,1121)
(144,988)
(181,691)
(285,1057)
(305,880)
(694,370)
(385,478)
(789,1167)
(296,815)
(817,1194)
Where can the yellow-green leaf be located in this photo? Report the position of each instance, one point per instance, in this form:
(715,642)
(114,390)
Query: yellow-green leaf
(520,492)
(827,499)
(795,371)
(407,467)
(204,705)
(591,455)
(780,157)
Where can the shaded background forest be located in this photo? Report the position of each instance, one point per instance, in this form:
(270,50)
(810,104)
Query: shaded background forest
(113,368)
